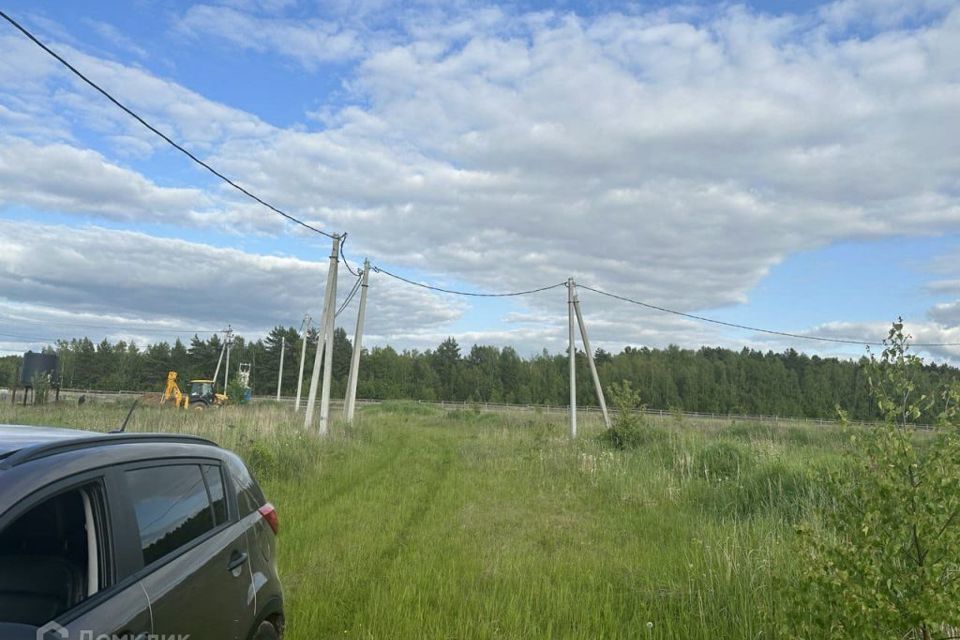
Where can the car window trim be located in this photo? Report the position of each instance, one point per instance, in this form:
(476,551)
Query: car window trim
(30,500)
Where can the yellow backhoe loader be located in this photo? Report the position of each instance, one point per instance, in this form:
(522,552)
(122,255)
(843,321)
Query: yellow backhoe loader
(202,394)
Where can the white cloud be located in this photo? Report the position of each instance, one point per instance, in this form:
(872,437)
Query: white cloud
(59,177)
(673,160)
(52,276)
(920,332)
(33,84)
(944,287)
(671,157)
(946,313)
(310,42)
(879,14)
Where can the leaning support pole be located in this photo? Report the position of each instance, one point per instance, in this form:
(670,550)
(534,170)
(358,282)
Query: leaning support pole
(318,359)
(593,365)
(283,346)
(226,369)
(351,399)
(303,358)
(573,361)
(216,373)
(328,352)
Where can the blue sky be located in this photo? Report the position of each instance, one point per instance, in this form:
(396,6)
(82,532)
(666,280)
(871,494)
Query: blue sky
(783,165)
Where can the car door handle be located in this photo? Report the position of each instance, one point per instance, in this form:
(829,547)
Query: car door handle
(237,558)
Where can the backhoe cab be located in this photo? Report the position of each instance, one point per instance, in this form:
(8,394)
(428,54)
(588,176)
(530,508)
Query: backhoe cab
(202,395)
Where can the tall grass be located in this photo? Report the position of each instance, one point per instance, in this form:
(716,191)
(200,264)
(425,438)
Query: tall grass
(420,523)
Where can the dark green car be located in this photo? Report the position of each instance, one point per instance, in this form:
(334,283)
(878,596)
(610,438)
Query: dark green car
(133,536)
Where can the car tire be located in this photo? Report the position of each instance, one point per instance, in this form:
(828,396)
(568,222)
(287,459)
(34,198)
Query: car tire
(199,406)
(266,631)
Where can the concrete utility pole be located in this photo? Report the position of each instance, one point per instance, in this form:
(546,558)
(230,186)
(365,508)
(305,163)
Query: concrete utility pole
(328,353)
(351,399)
(226,370)
(593,365)
(573,360)
(328,304)
(283,345)
(303,358)
(216,372)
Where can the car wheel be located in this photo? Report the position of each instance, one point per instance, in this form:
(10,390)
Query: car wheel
(199,406)
(266,631)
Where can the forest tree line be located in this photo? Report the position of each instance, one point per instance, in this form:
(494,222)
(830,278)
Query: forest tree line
(711,380)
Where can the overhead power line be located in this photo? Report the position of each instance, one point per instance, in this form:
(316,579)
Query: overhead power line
(350,296)
(734,325)
(692,316)
(343,256)
(162,135)
(472,294)
(356,273)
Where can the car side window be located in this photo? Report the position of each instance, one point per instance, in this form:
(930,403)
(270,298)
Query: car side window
(55,556)
(172,507)
(218,498)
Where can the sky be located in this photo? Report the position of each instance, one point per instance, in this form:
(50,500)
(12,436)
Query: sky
(793,166)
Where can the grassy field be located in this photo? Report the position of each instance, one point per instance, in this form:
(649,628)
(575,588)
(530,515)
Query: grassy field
(420,523)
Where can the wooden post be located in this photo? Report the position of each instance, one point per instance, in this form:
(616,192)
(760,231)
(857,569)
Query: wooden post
(318,358)
(573,360)
(351,399)
(593,365)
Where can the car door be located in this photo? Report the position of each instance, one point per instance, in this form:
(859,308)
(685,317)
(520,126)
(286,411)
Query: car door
(196,569)
(110,604)
(124,613)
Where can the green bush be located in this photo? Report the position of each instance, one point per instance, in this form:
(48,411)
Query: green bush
(261,458)
(41,388)
(880,561)
(236,392)
(629,428)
